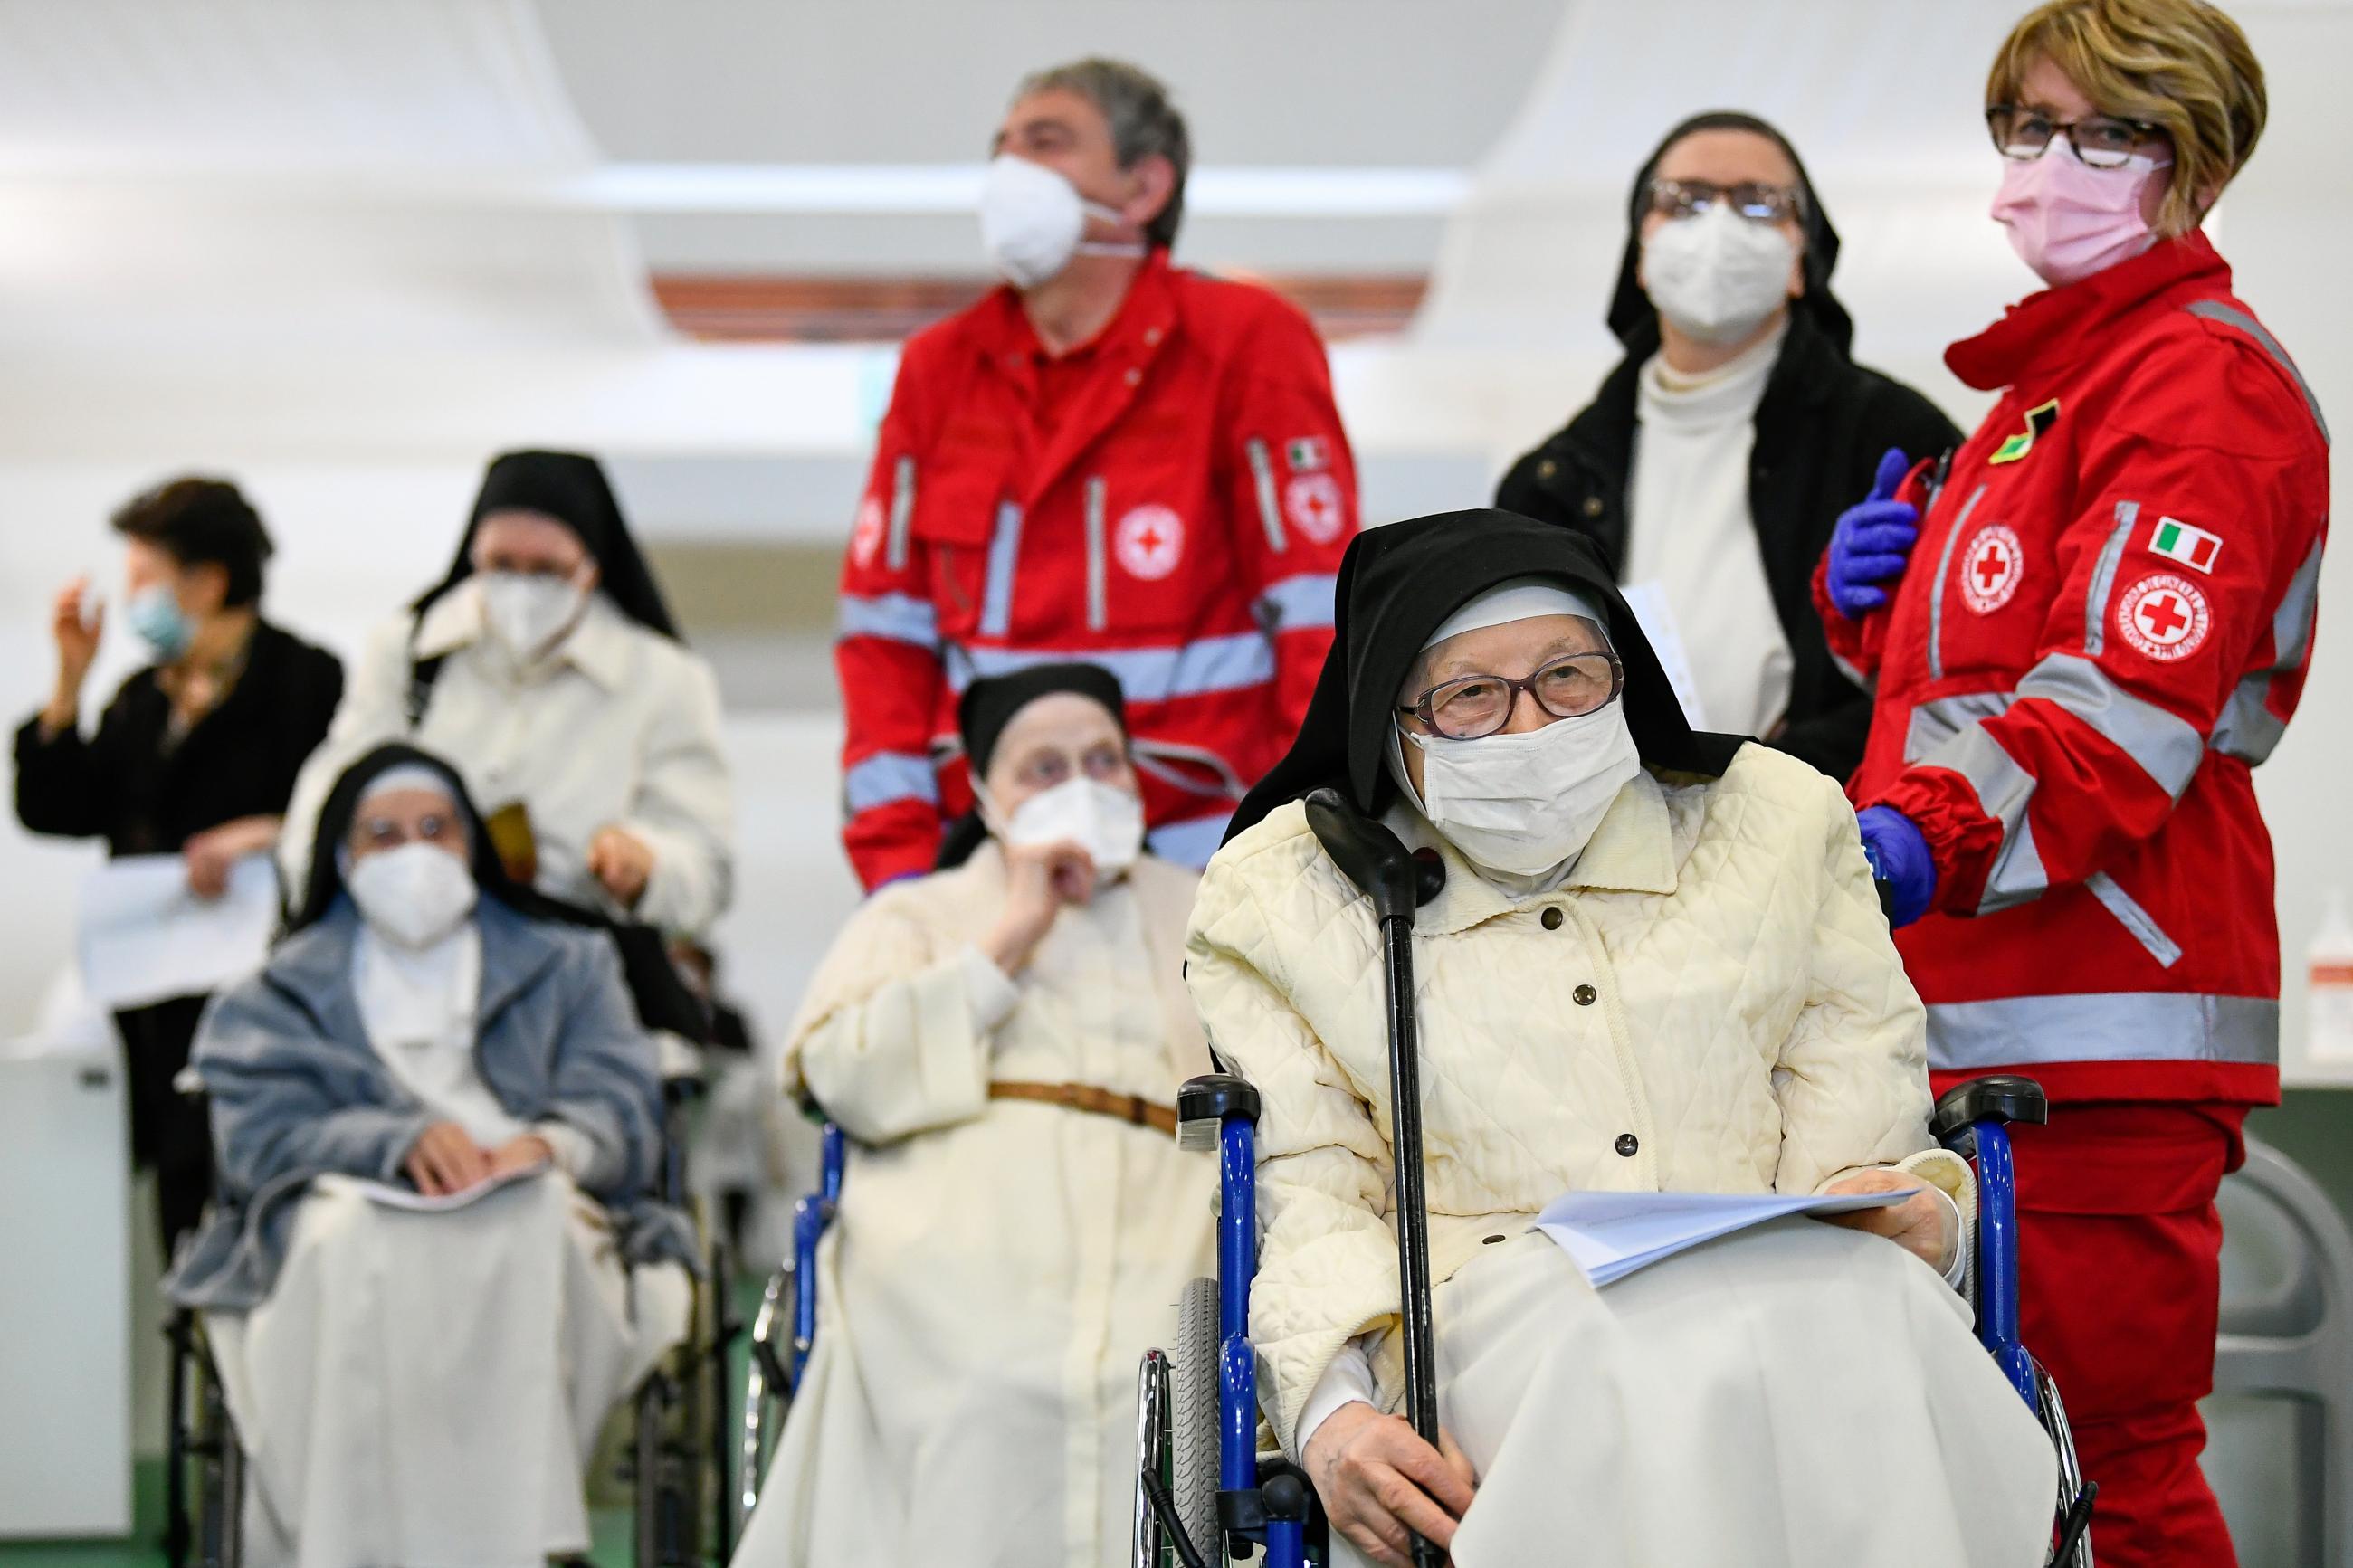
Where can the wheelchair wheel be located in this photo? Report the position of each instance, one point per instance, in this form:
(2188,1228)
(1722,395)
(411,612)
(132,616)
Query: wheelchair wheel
(1193,1415)
(768,1393)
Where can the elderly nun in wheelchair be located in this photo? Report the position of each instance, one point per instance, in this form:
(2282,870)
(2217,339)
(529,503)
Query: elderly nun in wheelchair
(1654,962)
(1002,1041)
(439,1125)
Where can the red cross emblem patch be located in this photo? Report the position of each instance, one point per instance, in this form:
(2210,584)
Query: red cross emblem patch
(1150,541)
(2163,616)
(1991,566)
(1312,502)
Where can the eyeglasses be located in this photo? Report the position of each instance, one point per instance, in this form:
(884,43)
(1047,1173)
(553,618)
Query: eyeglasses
(386,833)
(1756,202)
(1477,705)
(2101,141)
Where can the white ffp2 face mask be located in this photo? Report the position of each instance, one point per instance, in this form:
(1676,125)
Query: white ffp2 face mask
(412,894)
(1105,821)
(1717,275)
(1523,804)
(1031,221)
(528,613)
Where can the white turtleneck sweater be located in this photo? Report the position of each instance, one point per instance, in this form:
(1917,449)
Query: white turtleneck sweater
(1690,534)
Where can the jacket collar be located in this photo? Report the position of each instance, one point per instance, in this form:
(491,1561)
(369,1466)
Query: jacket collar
(598,647)
(1124,354)
(1632,851)
(314,965)
(2046,332)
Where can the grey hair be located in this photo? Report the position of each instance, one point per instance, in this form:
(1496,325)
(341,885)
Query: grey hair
(1144,123)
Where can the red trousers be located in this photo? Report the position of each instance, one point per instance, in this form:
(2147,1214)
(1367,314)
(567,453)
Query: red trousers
(2120,1248)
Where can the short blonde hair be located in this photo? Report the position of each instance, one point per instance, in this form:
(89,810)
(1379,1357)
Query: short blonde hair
(2181,65)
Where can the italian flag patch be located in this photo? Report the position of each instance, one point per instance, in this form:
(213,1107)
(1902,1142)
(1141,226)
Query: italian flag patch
(2192,547)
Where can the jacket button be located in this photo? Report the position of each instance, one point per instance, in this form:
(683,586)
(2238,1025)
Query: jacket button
(1628,1144)
(1552,918)
(1489,1240)
(1593,506)
(1546,468)
(1585,995)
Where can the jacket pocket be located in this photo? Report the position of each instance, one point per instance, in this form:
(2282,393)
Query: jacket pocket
(955,515)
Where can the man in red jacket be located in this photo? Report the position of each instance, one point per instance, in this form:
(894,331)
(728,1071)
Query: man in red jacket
(1107,459)
(2102,628)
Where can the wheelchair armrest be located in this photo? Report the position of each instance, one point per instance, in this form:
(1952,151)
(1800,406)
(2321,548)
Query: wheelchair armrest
(1206,1103)
(1996,1097)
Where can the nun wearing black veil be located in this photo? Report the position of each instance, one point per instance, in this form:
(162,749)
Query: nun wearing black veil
(1714,460)
(1656,963)
(437,1124)
(546,667)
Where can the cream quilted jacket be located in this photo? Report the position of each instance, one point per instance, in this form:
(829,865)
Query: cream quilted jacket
(1711,1002)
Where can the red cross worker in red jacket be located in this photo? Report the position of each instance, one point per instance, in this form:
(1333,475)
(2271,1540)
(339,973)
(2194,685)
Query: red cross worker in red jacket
(1109,459)
(2101,628)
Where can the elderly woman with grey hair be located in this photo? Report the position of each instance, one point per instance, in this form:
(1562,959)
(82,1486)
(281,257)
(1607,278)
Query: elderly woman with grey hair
(439,1125)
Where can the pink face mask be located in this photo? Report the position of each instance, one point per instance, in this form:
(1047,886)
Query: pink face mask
(2068,220)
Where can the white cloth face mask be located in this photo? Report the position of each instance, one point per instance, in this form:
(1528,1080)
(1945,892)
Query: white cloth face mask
(1031,221)
(1718,276)
(412,894)
(1100,818)
(530,613)
(1525,803)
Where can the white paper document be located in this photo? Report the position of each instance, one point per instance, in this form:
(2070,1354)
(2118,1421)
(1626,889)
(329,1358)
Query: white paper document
(145,937)
(415,1202)
(1610,1235)
(1657,617)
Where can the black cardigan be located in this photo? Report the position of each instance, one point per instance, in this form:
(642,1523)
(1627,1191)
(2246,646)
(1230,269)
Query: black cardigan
(239,760)
(1821,428)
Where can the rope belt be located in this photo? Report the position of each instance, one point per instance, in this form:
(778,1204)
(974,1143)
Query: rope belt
(1086,1097)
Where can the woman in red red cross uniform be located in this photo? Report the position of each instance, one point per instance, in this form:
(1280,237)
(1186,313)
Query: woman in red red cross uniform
(2084,630)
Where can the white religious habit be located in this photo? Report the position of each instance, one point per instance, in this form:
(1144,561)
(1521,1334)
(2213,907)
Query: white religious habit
(997,1266)
(425,1388)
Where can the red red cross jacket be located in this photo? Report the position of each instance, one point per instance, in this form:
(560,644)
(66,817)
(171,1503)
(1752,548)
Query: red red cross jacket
(1179,521)
(2104,628)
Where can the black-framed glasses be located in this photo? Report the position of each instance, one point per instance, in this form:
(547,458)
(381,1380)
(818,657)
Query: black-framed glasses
(1751,199)
(2101,141)
(1472,706)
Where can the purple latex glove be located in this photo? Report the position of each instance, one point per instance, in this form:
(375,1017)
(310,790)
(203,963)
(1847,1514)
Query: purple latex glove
(1873,542)
(1899,857)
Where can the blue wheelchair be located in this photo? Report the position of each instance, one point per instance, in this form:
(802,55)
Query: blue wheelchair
(784,1330)
(1203,1490)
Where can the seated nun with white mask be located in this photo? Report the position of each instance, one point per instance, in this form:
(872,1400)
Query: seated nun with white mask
(1003,1041)
(437,1124)
(1656,962)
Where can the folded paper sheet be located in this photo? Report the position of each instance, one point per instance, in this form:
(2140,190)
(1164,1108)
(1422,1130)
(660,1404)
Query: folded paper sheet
(144,937)
(1612,1235)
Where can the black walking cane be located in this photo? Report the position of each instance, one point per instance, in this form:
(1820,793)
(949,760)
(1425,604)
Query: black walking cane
(1370,856)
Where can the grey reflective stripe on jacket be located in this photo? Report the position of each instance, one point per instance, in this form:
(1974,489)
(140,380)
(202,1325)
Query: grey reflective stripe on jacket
(2215,311)
(903,510)
(1936,588)
(1004,560)
(2248,729)
(2113,1026)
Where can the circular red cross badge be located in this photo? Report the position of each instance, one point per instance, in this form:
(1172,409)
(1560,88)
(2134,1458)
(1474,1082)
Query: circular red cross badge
(1991,567)
(2163,616)
(1150,541)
